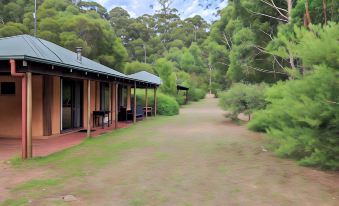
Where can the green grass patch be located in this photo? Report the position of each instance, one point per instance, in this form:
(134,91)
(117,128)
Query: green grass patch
(161,155)
(136,202)
(235,190)
(37,184)
(17,202)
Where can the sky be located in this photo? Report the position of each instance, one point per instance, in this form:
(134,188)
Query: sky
(186,8)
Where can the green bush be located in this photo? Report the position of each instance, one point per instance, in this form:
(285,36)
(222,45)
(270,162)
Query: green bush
(181,99)
(243,98)
(302,119)
(166,105)
(195,94)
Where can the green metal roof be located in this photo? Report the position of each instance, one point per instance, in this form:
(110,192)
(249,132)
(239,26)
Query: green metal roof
(26,47)
(181,87)
(146,76)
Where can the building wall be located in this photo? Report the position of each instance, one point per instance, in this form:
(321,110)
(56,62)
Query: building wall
(10,106)
(10,109)
(37,109)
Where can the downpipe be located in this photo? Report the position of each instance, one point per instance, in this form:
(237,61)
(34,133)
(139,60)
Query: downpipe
(14,73)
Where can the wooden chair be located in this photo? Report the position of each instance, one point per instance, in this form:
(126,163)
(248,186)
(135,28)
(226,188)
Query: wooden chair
(148,110)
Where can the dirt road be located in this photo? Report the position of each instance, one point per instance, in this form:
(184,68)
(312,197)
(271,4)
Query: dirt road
(196,158)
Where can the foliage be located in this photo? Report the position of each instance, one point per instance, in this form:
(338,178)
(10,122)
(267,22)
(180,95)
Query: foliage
(196,91)
(313,46)
(181,99)
(166,105)
(68,25)
(302,118)
(303,115)
(134,67)
(165,69)
(255,42)
(243,98)
(150,36)
(316,11)
(237,41)
(195,94)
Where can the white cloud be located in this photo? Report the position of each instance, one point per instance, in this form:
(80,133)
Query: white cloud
(186,8)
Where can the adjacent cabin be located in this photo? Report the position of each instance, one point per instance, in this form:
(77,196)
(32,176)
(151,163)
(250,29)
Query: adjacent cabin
(47,90)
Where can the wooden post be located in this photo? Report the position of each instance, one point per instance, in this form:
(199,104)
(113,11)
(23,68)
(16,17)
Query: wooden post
(29,115)
(146,103)
(135,104)
(186,98)
(155,101)
(116,106)
(112,101)
(88,108)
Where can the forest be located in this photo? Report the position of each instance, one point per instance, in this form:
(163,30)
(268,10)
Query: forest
(273,60)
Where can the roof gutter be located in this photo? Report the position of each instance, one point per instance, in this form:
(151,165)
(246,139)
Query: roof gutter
(29,58)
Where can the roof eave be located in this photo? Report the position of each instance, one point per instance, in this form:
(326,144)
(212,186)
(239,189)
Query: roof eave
(85,69)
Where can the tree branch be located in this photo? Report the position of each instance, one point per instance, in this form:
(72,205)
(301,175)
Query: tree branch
(265,71)
(276,8)
(222,63)
(273,5)
(225,37)
(274,57)
(332,102)
(269,35)
(261,14)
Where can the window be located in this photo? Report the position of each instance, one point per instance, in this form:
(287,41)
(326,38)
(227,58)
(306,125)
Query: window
(7,88)
(104,97)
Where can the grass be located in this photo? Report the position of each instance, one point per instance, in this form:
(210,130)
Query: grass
(17,202)
(137,202)
(36,184)
(82,160)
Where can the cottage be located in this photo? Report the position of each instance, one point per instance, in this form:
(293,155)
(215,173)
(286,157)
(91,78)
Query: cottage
(47,90)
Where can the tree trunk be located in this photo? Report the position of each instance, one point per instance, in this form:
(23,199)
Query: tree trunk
(289,9)
(332,9)
(324,11)
(307,12)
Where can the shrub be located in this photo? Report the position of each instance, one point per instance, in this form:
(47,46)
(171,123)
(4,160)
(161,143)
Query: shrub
(243,98)
(181,99)
(302,119)
(166,105)
(303,115)
(195,94)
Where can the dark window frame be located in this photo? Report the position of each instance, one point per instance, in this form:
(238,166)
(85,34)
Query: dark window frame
(12,91)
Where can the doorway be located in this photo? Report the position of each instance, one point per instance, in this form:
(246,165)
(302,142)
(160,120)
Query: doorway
(71,104)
